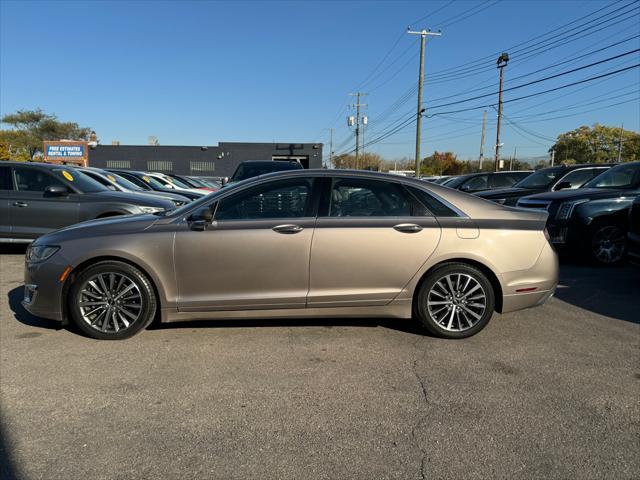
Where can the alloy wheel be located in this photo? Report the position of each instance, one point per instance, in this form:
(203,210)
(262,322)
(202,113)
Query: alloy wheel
(110,302)
(608,244)
(456,302)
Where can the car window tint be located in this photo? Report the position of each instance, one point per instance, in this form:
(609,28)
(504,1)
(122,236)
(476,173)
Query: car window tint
(577,178)
(5,178)
(368,198)
(476,183)
(35,180)
(281,199)
(620,176)
(502,180)
(435,207)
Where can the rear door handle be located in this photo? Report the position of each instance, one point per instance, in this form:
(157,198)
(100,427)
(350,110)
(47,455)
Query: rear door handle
(20,204)
(408,228)
(288,229)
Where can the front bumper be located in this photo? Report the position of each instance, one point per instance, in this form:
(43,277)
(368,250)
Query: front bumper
(43,290)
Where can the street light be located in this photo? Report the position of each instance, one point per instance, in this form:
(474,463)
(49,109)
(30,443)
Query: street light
(501,63)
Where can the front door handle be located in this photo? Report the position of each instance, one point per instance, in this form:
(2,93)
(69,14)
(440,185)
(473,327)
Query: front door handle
(408,228)
(20,204)
(288,229)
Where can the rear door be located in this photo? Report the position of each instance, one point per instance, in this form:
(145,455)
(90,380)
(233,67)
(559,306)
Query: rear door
(371,238)
(5,199)
(34,213)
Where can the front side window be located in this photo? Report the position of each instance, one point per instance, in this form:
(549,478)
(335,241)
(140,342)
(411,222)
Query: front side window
(476,183)
(577,178)
(281,199)
(368,198)
(35,180)
(5,178)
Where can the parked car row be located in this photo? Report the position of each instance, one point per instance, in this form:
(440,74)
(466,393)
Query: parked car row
(37,198)
(589,205)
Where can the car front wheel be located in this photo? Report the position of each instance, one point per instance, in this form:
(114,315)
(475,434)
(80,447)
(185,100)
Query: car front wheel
(607,244)
(456,300)
(112,300)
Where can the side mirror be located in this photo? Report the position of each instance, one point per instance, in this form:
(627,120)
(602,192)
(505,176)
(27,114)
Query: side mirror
(201,219)
(225,180)
(465,188)
(563,186)
(56,191)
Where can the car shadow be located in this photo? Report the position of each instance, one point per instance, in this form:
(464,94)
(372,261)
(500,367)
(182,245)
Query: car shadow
(402,325)
(15,296)
(13,248)
(7,469)
(607,291)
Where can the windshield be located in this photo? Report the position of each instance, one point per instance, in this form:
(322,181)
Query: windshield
(457,181)
(249,170)
(156,182)
(541,179)
(621,176)
(82,182)
(123,182)
(178,183)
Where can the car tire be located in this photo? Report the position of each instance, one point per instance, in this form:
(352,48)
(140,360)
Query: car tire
(112,300)
(456,300)
(606,244)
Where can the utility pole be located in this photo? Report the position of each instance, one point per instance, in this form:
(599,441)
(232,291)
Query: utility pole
(620,143)
(553,156)
(331,147)
(484,128)
(502,62)
(357,121)
(423,35)
(515,149)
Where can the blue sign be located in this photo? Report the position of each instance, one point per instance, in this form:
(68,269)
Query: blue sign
(65,151)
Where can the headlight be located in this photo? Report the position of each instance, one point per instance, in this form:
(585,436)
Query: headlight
(40,253)
(151,209)
(566,209)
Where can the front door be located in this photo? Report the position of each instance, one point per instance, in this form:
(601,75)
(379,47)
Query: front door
(372,239)
(33,213)
(255,255)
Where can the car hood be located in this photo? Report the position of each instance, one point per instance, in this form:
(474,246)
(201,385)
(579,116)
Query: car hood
(136,198)
(578,194)
(108,225)
(503,192)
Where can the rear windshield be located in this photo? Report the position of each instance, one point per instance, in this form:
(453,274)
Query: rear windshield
(541,179)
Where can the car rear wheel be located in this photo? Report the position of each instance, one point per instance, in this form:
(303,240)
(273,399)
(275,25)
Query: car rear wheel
(607,244)
(112,300)
(455,301)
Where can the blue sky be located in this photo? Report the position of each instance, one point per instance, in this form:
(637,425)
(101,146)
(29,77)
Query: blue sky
(196,73)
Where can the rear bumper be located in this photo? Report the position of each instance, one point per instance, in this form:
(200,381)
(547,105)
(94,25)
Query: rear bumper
(531,287)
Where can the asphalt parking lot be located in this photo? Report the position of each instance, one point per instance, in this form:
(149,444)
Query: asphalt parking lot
(551,392)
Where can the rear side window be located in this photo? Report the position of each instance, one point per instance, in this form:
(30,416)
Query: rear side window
(476,183)
(368,198)
(35,180)
(436,207)
(500,180)
(5,178)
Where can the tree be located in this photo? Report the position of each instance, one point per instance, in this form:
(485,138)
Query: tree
(32,127)
(367,161)
(597,144)
(442,163)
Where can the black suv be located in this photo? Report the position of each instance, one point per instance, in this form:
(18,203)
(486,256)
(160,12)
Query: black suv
(549,179)
(595,218)
(254,168)
(37,198)
(479,182)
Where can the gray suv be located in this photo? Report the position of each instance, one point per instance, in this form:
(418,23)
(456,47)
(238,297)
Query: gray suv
(37,198)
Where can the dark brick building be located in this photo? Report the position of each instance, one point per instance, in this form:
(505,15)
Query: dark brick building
(219,161)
